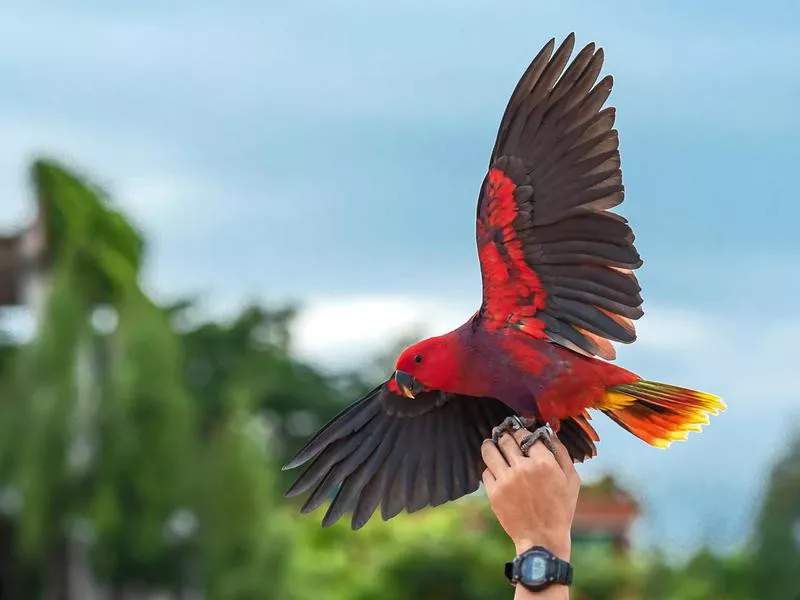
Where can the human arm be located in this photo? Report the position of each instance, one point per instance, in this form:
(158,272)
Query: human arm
(534,499)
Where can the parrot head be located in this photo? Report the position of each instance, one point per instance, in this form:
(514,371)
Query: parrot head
(424,366)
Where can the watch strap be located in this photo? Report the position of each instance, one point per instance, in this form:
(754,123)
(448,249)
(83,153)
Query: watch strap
(563,572)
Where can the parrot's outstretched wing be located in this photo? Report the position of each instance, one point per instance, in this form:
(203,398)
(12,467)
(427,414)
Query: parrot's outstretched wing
(387,450)
(555,262)
(401,454)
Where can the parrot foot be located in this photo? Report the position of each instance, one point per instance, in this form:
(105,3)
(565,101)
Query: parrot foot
(509,425)
(544,433)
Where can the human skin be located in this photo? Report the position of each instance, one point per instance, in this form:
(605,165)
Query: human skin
(533,498)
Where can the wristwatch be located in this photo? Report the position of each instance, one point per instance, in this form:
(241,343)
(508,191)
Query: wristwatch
(538,568)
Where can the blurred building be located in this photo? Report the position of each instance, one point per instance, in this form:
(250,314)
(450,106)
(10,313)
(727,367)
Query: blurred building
(10,270)
(21,254)
(605,515)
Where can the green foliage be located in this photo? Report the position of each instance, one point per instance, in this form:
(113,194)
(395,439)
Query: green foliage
(8,351)
(777,539)
(243,545)
(602,575)
(706,575)
(439,554)
(39,393)
(97,243)
(252,352)
(144,475)
(658,581)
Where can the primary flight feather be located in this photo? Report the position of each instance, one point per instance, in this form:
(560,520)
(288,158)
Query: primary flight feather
(558,288)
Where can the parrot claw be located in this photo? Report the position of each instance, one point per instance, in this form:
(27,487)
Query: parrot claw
(544,433)
(509,425)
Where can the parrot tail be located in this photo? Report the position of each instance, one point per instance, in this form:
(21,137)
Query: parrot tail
(659,413)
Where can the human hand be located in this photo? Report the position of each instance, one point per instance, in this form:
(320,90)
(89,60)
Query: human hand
(533,496)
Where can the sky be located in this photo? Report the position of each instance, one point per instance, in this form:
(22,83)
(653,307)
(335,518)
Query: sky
(330,153)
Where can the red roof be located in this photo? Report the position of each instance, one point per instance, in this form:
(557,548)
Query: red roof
(604,506)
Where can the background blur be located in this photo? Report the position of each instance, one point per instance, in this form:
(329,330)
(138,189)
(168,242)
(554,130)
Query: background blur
(226,218)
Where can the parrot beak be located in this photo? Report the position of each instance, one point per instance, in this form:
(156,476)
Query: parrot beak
(409,386)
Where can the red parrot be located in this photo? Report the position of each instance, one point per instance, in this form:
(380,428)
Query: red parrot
(558,288)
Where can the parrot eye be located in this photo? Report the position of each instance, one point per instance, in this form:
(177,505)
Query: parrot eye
(418,358)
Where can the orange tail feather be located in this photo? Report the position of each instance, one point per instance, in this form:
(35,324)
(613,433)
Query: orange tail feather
(659,413)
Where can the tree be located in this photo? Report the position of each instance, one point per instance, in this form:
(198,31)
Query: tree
(777,534)
(118,458)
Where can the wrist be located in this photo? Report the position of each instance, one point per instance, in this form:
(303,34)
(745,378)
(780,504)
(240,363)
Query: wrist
(561,546)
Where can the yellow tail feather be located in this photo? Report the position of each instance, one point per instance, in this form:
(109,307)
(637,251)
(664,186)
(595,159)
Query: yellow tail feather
(659,413)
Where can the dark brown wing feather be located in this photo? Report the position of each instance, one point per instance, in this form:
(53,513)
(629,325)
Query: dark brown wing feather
(395,452)
(578,436)
(555,262)
(400,454)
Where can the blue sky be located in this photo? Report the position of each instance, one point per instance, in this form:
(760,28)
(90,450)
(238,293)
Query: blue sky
(330,153)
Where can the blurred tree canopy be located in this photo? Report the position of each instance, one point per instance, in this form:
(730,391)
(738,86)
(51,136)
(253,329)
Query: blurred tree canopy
(153,439)
(777,535)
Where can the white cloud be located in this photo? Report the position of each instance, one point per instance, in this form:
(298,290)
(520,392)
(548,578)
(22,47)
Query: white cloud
(672,330)
(339,331)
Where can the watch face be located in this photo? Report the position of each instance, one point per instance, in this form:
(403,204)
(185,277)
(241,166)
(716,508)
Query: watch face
(534,569)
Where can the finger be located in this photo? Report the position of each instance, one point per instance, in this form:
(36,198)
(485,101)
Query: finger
(540,452)
(564,461)
(519,435)
(509,446)
(492,458)
(488,479)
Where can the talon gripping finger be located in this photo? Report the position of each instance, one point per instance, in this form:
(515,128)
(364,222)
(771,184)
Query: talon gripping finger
(544,433)
(509,424)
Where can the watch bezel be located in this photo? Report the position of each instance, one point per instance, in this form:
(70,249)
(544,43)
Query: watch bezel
(551,569)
